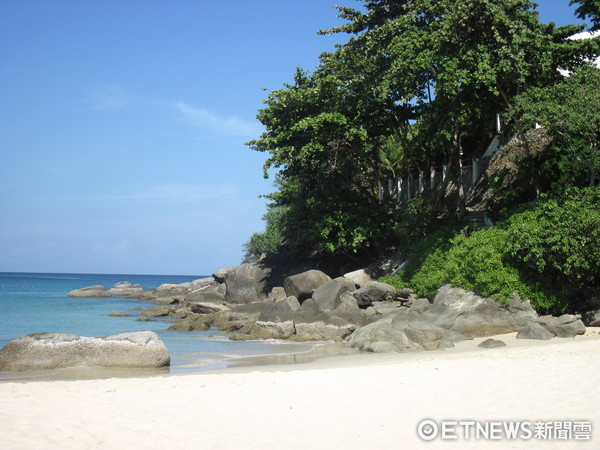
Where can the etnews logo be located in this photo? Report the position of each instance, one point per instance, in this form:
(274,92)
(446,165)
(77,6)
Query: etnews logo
(429,430)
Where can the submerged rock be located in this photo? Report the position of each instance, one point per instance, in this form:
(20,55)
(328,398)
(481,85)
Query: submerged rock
(142,349)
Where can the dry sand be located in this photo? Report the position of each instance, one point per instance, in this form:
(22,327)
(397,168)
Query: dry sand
(362,401)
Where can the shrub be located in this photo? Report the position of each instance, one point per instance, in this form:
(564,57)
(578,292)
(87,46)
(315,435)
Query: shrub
(547,251)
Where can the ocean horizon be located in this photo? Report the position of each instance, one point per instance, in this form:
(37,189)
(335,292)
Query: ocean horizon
(33,302)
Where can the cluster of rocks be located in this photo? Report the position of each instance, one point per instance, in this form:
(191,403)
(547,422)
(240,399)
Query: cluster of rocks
(256,303)
(259,300)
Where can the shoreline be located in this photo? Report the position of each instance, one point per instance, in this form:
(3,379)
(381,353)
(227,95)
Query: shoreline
(323,355)
(356,401)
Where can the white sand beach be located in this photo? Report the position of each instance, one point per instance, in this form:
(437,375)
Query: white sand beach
(361,401)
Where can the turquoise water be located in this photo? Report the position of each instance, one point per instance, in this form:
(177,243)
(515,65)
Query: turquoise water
(37,302)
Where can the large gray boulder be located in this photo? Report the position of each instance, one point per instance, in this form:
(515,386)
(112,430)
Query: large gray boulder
(245,283)
(125,289)
(382,338)
(467,313)
(209,293)
(90,292)
(327,296)
(303,285)
(280,311)
(533,330)
(374,291)
(142,349)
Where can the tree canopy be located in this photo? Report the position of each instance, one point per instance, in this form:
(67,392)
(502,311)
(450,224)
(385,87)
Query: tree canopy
(418,83)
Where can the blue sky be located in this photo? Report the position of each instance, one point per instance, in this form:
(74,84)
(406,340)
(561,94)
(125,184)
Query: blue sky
(123,124)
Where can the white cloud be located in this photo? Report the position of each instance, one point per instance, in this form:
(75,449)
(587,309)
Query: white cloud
(203,118)
(108,98)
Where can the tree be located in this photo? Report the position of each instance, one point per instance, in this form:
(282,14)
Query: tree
(588,8)
(438,71)
(571,111)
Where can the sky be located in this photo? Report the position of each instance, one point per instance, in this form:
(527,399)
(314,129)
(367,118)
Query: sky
(123,123)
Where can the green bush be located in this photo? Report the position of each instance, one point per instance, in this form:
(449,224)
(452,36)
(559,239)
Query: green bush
(271,239)
(547,251)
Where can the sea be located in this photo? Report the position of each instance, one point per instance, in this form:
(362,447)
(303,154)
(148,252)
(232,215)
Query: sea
(38,302)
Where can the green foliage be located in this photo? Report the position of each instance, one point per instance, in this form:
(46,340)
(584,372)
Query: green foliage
(558,239)
(588,8)
(547,251)
(418,83)
(271,239)
(571,110)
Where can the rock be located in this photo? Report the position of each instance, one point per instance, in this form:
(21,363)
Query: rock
(212,293)
(90,292)
(303,285)
(207,308)
(591,318)
(382,338)
(203,283)
(533,330)
(467,313)
(404,293)
(193,322)
(273,330)
(142,349)
(119,314)
(143,319)
(241,337)
(327,296)
(383,308)
(359,277)
(348,310)
(428,335)
(420,305)
(280,311)
(374,291)
(245,283)
(277,294)
(246,312)
(125,289)
(492,343)
(158,311)
(180,313)
(567,325)
(316,331)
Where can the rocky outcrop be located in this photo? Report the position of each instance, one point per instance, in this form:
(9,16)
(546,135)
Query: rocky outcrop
(533,330)
(303,285)
(467,313)
(327,296)
(245,283)
(142,349)
(374,291)
(548,327)
(126,289)
(90,292)
(366,314)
